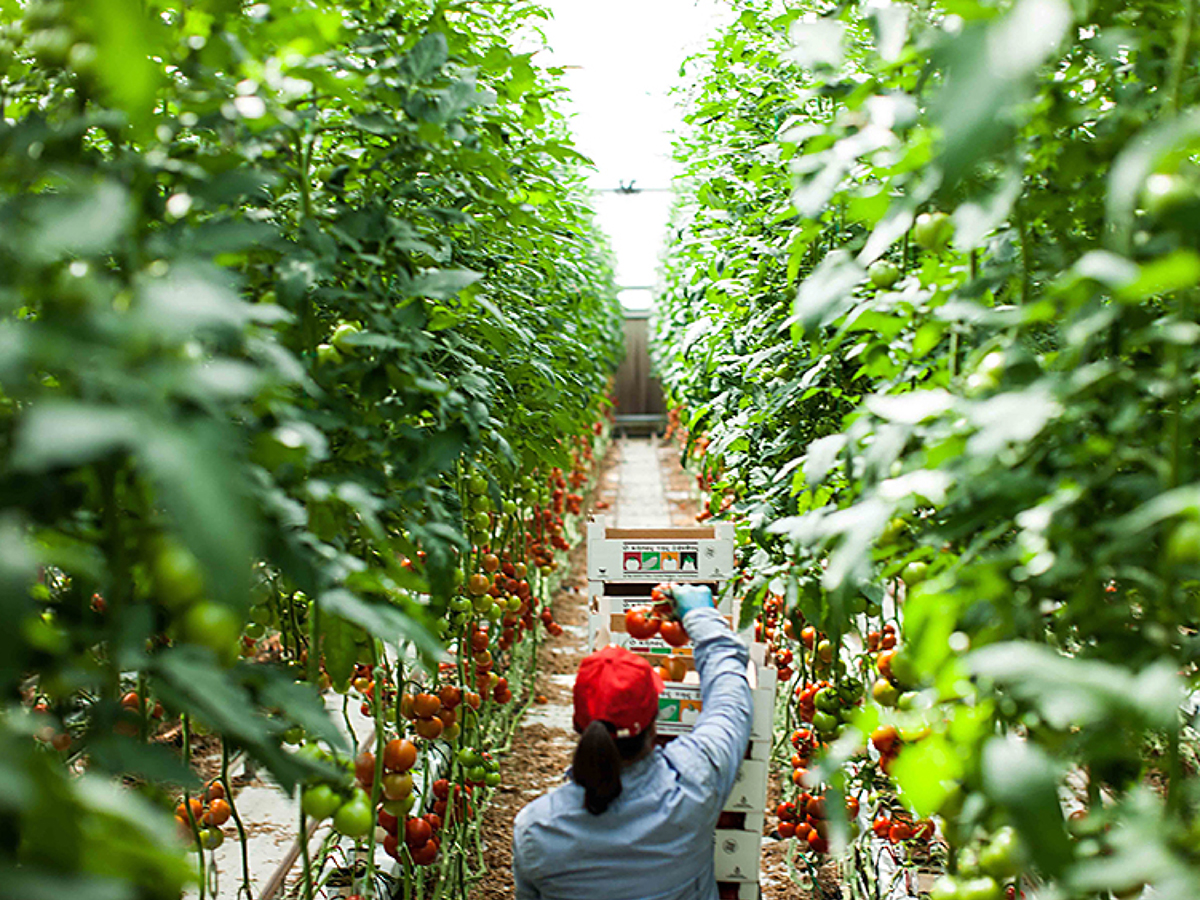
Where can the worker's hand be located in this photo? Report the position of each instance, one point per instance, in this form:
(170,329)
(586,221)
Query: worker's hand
(691,596)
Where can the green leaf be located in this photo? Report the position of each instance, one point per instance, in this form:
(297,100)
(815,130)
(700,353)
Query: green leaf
(1024,781)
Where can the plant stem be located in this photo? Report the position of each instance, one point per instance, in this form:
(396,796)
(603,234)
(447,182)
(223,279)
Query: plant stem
(237,818)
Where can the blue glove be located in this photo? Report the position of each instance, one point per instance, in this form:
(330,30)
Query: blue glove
(691,596)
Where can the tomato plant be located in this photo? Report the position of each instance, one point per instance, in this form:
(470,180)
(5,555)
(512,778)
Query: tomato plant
(305,318)
(916,326)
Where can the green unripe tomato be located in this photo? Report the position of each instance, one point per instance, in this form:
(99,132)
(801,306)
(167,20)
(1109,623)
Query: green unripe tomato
(825,723)
(213,626)
(320,801)
(933,231)
(896,529)
(476,774)
(460,604)
(510,507)
(492,779)
(177,578)
(1001,856)
(481,521)
(468,757)
(293,735)
(1183,544)
(254,630)
(211,838)
(915,573)
(827,700)
(483,604)
(945,888)
(341,337)
(261,614)
(883,273)
(353,818)
(513,604)
(477,484)
(327,354)
(496,613)
(982,888)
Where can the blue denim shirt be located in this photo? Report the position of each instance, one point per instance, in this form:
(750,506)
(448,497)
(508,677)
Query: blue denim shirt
(655,842)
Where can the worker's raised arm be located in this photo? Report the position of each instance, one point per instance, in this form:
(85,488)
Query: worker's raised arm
(713,750)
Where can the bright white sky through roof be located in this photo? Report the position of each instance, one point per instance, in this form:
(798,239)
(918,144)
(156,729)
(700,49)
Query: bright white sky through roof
(628,54)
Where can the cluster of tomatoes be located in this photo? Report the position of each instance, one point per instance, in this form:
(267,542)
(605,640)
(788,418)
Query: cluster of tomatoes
(806,746)
(645,622)
(673,668)
(805,820)
(208,813)
(660,619)
(436,715)
(895,673)
(898,827)
(886,739)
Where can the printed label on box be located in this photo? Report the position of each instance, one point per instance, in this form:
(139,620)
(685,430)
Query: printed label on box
(668,558)
(678,710)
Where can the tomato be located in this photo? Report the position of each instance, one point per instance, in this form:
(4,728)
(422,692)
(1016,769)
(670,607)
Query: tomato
(131,701)
(478,584)
(884,738)
(981,888)
(825,651)
(490,562)
(214,626)
(933,231)
(884,692)
(417,832)
(450,696)
(328,355)
(397,786)
(211,838)
(214,791)
(673,633)
(217,814)
(354,818)
(639,625)
(808,636)
(341,337)
(320,801)
(881,826)
(899,832)
(430,729)
(399,755)
(825,723)
(364,768)
(425,705)
(425,855)
(1001,856)
(945,888)
(827,700)
(1183,544)
(915,573)
(196,806)
(786,830)
(883,273)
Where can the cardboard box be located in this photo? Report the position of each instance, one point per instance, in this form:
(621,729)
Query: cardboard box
(737,855)
(750,790)
(659,554)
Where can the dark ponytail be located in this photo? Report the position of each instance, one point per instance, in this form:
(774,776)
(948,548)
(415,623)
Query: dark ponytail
(598,760)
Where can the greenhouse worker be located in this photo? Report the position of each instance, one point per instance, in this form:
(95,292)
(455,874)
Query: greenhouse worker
(635,821)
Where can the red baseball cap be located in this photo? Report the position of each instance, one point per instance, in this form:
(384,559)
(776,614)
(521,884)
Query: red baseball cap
(617,686)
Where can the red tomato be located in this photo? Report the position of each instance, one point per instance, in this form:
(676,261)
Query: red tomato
(639,625)
(673,633)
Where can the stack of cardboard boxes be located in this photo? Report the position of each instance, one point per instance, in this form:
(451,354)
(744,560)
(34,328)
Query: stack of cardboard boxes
(624,565)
